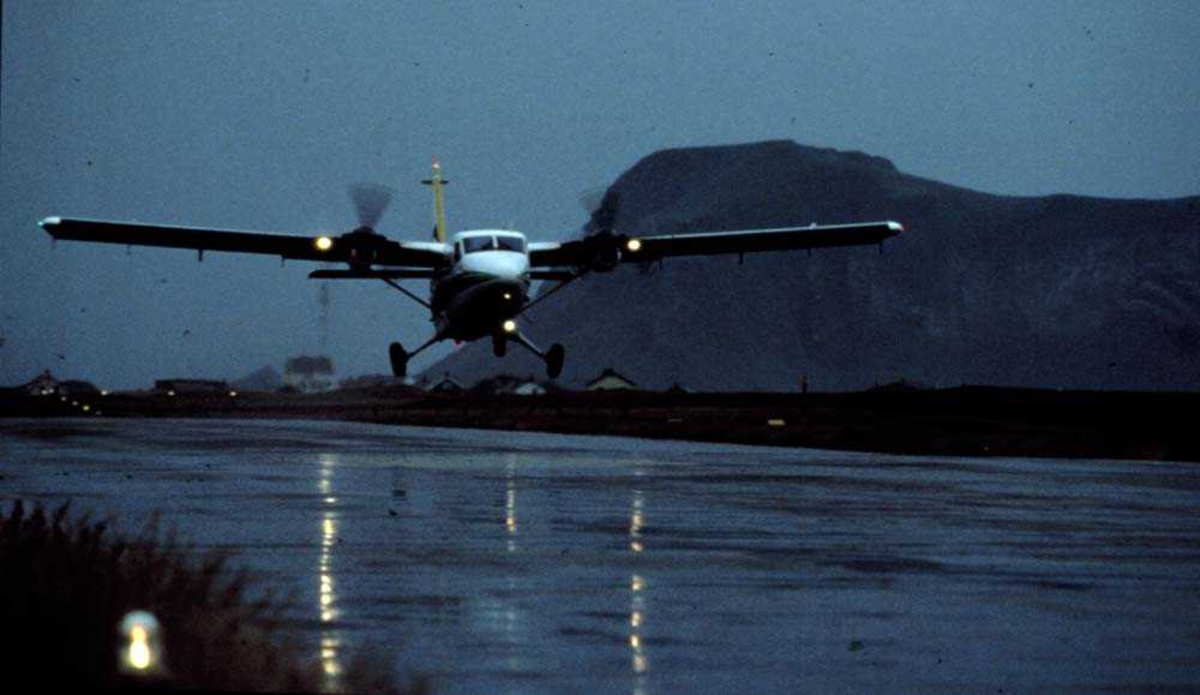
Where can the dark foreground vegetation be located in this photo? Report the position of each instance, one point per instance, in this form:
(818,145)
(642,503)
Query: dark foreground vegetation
(970,420)
(66,582)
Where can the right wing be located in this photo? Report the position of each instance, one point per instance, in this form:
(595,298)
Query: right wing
(355,247)
(639,249)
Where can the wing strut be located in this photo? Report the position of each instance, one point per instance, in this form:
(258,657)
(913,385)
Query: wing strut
(547,295)
(406,293)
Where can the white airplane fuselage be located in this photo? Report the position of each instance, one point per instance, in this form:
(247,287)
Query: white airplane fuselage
(487,284)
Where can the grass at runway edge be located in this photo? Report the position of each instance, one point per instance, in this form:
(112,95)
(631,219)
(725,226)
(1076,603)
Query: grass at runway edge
(67,580)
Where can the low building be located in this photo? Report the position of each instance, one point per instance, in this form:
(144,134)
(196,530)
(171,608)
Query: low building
(610,380)
(262,379)
(309,374)
(75,387)
(448,384)
(43,384)
(508,384)
(186,387)
(529,388)
(368,382)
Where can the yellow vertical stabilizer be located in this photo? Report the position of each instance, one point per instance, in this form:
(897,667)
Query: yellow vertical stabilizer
(436,182)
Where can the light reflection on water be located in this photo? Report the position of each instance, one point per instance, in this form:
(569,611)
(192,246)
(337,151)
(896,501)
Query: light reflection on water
(512,625)
(327,607)
(637,591)
(510,502)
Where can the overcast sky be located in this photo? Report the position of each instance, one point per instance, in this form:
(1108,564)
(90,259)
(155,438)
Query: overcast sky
(257,115)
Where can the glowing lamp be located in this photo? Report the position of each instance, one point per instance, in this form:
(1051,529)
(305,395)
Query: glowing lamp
(141,651)
(323,243)
(633,245)
(510,326)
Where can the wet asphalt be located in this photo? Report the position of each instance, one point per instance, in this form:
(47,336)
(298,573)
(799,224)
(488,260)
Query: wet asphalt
(490,561)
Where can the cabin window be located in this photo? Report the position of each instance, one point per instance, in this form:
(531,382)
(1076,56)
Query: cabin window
(511,243)
(478,243)
(472,244)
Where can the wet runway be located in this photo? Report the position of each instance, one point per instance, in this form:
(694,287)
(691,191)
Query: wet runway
(549,563)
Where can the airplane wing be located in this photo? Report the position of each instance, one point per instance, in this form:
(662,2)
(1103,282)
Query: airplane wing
(353,247)
(639,249)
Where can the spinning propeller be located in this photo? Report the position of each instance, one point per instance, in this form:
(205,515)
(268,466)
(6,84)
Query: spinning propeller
(370,200)
(605,245)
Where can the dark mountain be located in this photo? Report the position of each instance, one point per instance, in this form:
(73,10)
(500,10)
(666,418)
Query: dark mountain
(1056,291)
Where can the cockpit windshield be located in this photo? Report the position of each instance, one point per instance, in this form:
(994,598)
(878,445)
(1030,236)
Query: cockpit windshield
(478,243)
(472,244)
(511,243)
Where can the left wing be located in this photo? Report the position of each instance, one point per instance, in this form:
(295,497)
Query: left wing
(357,247)
(608,248)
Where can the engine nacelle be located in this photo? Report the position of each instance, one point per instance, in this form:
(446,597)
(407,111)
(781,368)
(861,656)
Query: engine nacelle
(363,246)
(606,250)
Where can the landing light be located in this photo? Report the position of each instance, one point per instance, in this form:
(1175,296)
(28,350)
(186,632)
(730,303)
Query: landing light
(633,245)
(510,326)
(323,243)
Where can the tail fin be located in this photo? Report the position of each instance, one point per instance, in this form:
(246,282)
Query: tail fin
(436,182)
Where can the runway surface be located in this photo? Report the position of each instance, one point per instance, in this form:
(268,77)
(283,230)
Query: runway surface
(548,563)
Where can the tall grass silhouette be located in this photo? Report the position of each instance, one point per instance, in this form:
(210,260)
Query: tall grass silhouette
(66,582)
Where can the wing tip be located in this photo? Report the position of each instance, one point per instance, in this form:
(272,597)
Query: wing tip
(49,222)
(895,227)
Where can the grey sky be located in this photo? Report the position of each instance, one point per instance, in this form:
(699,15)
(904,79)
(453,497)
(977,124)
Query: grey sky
(257,115)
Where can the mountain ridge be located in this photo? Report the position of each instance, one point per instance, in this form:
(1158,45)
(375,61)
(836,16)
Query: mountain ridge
(1042,291)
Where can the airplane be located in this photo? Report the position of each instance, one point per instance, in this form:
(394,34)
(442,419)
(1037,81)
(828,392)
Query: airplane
(480,280)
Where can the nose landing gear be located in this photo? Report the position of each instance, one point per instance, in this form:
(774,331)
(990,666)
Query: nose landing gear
(554,357)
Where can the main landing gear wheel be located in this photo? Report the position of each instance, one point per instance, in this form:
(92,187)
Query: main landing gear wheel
(399,359)
(554,360)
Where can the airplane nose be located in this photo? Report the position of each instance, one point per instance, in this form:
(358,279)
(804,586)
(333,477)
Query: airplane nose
(503,265)
(510,266)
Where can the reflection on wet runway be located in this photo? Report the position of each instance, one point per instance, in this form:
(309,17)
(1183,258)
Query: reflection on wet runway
(637,590)
(543,563)
(327,593)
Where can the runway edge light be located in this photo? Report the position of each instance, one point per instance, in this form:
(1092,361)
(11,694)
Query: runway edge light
(141,651)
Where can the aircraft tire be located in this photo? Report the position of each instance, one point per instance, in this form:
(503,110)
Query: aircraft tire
(399,358)
(555,357)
